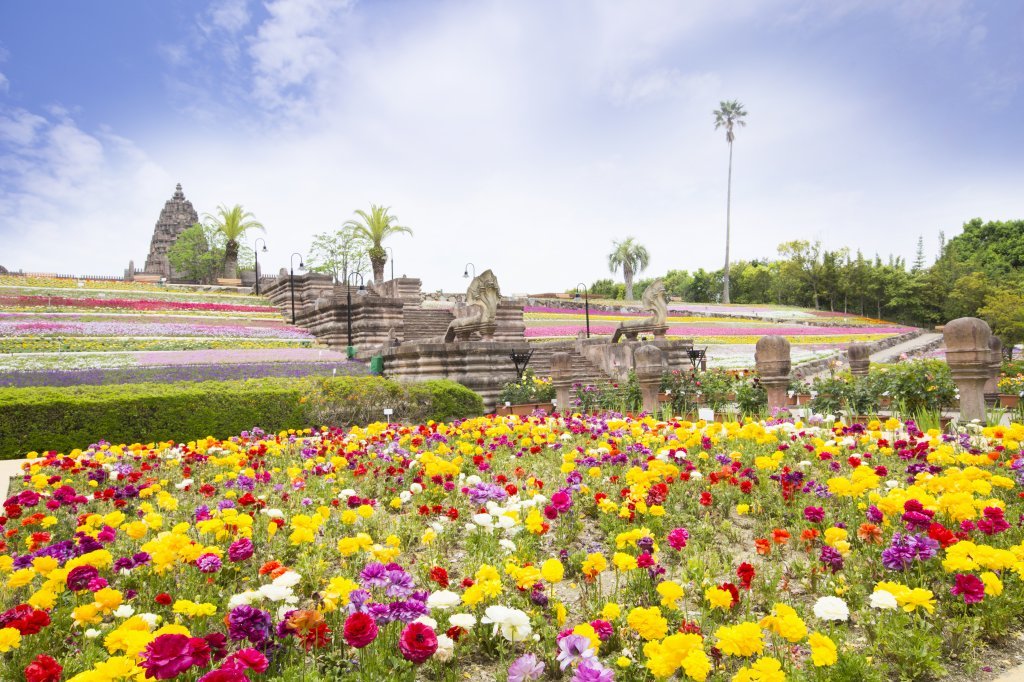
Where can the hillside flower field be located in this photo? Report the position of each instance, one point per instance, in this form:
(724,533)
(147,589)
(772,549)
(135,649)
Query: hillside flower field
(585,548)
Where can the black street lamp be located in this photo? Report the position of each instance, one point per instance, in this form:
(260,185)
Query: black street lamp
(291,279)
(351,352)
(392,259)
(256,251)
(465,272)
(586,303)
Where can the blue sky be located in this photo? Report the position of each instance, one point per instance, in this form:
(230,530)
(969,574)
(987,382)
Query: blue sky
(521,136)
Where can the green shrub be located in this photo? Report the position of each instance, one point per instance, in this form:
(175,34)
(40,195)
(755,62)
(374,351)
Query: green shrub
(529,389)
(61,419)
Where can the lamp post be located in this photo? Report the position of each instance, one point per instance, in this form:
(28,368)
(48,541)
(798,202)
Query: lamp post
(586,303)
(256,255)
(465,272)
(351,352)
(291,278)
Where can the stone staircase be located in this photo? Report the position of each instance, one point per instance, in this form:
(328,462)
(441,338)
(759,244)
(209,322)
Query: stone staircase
(424,323)
(583,370)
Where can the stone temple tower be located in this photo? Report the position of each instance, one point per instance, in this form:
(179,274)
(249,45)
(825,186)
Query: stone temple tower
(176,217)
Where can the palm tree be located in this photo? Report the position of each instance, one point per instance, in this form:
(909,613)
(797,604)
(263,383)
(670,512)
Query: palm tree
(375,227)
(729,113)
(632,258)
(233,223)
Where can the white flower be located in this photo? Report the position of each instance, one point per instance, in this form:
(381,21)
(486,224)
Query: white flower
(276,592)
(287,579)
(513,623)
(506,522)
(124,611)
(882,599)
(507,544)
(405,496)
(283,610)
(462,620)
(185,482)
(831,608)
(443,599)
(696,475)
(483,520)
(890,484)
(92,633)
(274,513)
(473,480)
(151,619)
(416,488)
(445,648)
(249,597)
(346,493)
(428,621)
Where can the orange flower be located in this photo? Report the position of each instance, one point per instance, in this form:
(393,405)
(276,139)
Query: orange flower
(763,546)
(808,536)
(870,533)
(780,536)
(269,567)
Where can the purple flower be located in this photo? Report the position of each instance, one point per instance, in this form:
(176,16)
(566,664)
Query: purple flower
(400,583)
(248,622)
(526,668)
(374,575)
(831,558)
(875,514)
(906,548)
(208,563)
(814,514)
(573,648)
(592,671)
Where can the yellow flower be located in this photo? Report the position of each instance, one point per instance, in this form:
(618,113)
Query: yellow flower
(587,630)
(594,564)
(763,670)
(611,611)
(21,577)
(993,585)
(10,638)
(552,571)
(671,592)
(648,623)
(623,562)
(108,599)
(718,598)
(823,649)
(744,639)
(916,597)
(86,614)
(785,622)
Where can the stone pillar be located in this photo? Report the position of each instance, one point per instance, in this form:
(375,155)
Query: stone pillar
(772,359)
(968,355)
(561,378)
(649,362)
(995,363)
(858,354)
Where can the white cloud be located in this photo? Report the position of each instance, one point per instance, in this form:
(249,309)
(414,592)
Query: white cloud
(522,137)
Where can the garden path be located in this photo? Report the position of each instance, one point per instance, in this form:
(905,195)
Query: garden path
(8,468)
(892,354)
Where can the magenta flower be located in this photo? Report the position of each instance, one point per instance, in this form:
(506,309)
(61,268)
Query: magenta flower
(168,656)
(814,514)
(240,550)
(208,563)
(969,586)
(677,538)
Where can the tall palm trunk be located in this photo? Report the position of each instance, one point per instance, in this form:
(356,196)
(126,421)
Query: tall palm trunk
(627,274)
(231,259)
(377,263)
(728,209)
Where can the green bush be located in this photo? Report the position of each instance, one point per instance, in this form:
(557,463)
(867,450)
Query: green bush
(529,389)
(61,419)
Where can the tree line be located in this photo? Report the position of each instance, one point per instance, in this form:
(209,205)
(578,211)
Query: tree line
(978,273)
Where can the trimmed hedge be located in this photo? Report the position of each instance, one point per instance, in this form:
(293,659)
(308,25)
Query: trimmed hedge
(61,419)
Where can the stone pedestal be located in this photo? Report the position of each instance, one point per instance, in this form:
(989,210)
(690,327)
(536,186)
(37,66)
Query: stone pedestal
(561,379)
(483,367)
(772,359)
(859,356)
(650,365)
(995,363)
(969,357)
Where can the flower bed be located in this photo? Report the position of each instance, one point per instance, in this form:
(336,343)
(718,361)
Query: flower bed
(587,548)
(142,304)
(75,344)
(43,329)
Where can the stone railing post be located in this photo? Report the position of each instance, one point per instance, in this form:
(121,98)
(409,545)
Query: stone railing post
(995,364)
(772,359)
(968,355)
(650,365)
(561,378)
(859,357)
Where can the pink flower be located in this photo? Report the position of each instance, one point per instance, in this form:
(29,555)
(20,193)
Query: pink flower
(225,675)
(168,656)
(360,630)
(240,550)
(249,658)
(561,501)
(417,643)
(677,538)
(969,586)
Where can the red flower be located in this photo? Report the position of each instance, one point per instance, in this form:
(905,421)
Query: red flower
(417,643)
(360,630)
(164,599)
(731,589)
(25,619)
(746,574)
(43,668)
(439,576)
(168,656)
(705,499)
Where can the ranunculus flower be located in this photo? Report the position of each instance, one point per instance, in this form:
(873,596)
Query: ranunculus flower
(240,550)
(831,608)
(360,630)
(168,656)
(969,586)
(417,643)
(43,668)
(677,538)
(80,577)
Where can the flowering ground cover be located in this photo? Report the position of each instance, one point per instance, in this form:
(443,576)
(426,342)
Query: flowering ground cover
(582,548)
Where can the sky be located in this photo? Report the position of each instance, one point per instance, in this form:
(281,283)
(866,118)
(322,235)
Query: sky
(522,136)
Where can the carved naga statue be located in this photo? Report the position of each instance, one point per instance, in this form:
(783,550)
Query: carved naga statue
(655,301)
(480,311)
